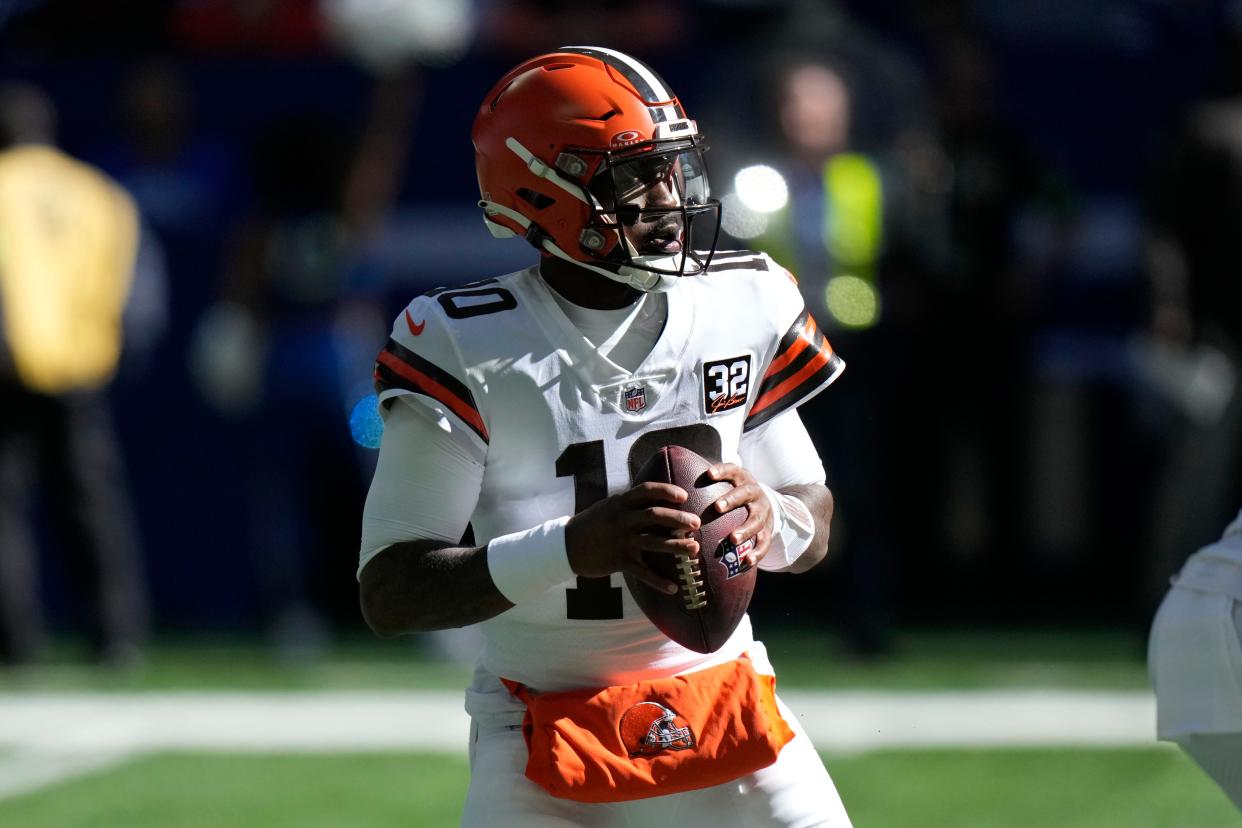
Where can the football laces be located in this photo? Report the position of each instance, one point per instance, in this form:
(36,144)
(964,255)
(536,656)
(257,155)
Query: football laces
(690,573)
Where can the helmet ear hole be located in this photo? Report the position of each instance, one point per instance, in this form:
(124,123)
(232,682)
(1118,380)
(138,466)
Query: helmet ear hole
(536,199)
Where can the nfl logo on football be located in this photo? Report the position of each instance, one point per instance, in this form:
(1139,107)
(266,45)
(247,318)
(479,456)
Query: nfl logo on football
(635,398)
(732,557)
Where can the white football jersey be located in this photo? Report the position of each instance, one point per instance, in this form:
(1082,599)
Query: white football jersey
(561,427)
(1217,567)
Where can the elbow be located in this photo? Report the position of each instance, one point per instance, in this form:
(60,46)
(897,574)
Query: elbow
(811,558)
(389,614)
(379,626)
(380,622)
(386,614)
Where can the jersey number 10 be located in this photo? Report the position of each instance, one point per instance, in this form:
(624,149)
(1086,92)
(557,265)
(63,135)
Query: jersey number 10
(596,599)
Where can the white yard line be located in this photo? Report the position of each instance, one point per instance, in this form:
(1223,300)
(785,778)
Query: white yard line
(236,722)
(57,735)
(860,721)
(29,770)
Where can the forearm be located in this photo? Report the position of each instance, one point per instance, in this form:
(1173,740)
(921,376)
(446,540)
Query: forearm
(818,501)
(423,585)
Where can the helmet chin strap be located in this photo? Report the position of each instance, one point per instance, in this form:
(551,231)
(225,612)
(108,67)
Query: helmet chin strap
(667,268)
(637,278)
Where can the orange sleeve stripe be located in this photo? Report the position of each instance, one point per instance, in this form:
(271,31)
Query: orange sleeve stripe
(817,362)
(799,345)
(433,389)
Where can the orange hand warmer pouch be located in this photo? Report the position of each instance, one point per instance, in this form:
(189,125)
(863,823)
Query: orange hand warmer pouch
(655,737)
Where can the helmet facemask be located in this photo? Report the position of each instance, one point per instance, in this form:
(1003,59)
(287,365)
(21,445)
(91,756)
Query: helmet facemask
(653,219)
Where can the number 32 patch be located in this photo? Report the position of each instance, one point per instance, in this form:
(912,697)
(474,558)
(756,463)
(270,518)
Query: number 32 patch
(725,384)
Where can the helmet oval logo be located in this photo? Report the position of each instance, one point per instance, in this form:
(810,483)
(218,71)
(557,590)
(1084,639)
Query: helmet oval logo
(650,728)
(624,139)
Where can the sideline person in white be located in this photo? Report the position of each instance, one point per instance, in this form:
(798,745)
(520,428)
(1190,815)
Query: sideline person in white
(1195,658)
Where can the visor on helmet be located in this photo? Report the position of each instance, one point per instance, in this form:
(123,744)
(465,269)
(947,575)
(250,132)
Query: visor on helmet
(658,201)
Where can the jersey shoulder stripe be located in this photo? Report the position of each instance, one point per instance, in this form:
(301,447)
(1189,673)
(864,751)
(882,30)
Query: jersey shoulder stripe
(804,364)
(399,367)
(752,261)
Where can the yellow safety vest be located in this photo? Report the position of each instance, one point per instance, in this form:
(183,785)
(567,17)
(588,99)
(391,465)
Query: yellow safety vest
(68,242)
(853,236)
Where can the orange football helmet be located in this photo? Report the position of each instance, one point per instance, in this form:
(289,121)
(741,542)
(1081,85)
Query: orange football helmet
(574,146)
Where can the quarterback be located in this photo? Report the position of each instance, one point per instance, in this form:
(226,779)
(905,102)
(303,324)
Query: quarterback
(1195,657)
(524,405)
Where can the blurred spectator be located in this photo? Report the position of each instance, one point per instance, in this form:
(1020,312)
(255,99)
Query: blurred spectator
(1088,466)
(283,27)
(183,177)
(1194,355)
(382,34)
(842,230)
(983,176)
(531,26)
(287,352)
(185,180)
(70,240)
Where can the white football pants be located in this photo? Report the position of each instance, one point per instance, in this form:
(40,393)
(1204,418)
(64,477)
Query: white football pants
(1195,658)
(793,792)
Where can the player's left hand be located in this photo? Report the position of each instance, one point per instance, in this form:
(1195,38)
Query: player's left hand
(746,492)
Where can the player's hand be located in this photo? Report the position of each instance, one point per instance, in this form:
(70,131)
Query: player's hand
(612,535)
(746,492)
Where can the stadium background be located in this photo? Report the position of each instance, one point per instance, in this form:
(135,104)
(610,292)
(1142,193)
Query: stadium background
(1038,424)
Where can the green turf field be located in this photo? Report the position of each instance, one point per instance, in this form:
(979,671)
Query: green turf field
(1110,660)
(926,789)
(1002,788)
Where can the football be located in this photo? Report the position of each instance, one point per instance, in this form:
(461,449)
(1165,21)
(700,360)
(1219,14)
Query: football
(715,586)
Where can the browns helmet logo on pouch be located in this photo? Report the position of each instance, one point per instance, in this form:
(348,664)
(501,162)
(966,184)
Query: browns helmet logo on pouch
(649,728)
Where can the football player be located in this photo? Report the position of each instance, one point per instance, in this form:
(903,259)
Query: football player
(523,405)
(1195,658)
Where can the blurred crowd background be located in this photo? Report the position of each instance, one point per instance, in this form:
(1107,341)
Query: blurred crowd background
(1019,222)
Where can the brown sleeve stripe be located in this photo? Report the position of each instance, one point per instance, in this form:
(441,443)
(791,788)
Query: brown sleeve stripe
(815,376)
(804,363)
(797,347)
(399,367)
(804,331)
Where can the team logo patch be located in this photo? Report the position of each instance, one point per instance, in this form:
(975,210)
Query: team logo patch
(635,398)
(731,557)
(649,728)
(726,382)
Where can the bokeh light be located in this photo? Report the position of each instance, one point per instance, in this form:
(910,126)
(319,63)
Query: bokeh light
(853,301)
(739,220)
(365,424)
(761,188)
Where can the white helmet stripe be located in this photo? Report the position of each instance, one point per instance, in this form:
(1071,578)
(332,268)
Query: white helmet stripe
(635,71)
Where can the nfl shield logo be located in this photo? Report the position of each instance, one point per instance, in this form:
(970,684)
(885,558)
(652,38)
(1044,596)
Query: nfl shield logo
(635,398)
(731,557)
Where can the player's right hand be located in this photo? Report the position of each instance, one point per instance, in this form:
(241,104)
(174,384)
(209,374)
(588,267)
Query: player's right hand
(612,535)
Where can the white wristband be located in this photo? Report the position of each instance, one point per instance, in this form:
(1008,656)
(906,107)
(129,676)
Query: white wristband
(793,529)
(526,564)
